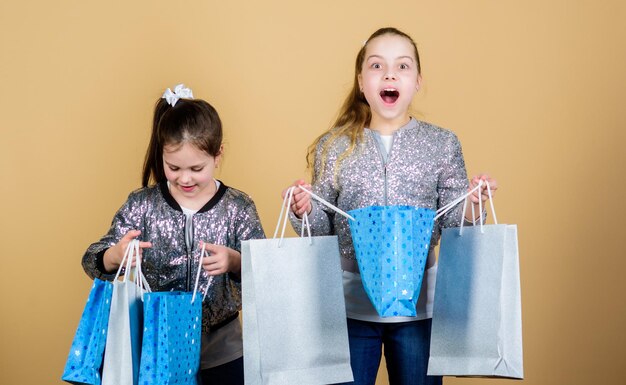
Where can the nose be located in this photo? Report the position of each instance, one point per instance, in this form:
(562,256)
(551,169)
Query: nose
(185,177)
(390,76)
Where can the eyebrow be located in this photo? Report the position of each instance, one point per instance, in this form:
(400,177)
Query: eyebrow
(192,166)
(399,57)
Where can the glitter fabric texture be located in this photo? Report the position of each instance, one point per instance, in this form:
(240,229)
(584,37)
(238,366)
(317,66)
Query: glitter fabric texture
(227,219)
(424,168)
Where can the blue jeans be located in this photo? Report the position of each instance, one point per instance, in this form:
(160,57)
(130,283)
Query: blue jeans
(230,373)
(406,346)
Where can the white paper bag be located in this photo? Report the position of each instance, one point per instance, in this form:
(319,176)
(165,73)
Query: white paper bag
(477,317)
(294,317)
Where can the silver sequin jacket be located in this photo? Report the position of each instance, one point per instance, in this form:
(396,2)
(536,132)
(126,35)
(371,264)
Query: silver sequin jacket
(227,219)
(424,168)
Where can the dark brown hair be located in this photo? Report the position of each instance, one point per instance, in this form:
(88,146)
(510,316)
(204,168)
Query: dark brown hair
(355,112)
(189,121)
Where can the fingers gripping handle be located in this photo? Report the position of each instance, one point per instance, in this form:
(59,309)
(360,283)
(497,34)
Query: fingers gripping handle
(327,204)
(134,274)
(284,210)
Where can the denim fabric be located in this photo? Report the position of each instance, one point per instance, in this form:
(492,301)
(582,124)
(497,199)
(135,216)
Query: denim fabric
(406,347)
(230,373)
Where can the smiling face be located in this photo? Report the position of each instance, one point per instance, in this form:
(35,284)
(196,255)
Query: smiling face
(389,79)
(190,173)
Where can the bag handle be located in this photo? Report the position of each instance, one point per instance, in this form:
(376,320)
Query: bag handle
(135,274)
(124,262)
(203,253)
(493,210)
(284,210)
(444,209)
(140,279)
(327,204)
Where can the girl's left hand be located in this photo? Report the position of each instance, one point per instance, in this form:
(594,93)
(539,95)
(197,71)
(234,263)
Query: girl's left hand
(493,185)
(221,259)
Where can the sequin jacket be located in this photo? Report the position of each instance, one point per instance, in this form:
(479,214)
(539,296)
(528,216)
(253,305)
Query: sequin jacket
(424,168)
(227,219)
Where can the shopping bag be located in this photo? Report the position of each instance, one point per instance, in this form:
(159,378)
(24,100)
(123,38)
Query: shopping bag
(170,349)
(477,319)
(294,317)
(391,244)
(121,355)
(84,361)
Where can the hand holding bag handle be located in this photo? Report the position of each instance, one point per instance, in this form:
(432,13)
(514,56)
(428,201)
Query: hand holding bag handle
(284,210)
(135,274)
(493,210)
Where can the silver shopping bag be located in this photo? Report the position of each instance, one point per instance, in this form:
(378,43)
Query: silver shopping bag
(294,317)
(477,316)
(123,344)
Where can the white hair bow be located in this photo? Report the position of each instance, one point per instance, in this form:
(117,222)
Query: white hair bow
(180,92)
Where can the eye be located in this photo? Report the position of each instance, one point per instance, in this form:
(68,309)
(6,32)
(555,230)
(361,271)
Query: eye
(197,169)
(376,66)
(173,168)
(404,66)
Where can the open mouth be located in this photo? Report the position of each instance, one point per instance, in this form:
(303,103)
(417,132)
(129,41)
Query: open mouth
(389,95)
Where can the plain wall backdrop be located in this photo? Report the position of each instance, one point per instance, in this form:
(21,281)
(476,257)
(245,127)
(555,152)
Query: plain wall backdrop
(533,89)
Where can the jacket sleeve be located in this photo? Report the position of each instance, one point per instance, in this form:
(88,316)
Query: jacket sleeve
(247,225)
(324,185)
(452,182)
(127,218)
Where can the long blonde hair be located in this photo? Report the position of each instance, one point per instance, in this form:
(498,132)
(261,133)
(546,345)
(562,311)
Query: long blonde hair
(355,113)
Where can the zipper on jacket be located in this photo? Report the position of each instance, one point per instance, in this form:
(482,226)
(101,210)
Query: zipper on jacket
(189,252)
(188,270)
(381,147)
(385,179)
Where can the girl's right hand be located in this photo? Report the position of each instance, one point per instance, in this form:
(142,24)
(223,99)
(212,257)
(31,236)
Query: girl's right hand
(113,256)
(301,201)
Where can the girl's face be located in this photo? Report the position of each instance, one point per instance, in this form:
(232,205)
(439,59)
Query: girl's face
(389,80)
(190,173)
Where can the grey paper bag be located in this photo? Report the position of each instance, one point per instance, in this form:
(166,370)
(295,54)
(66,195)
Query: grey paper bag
(294,317)
(477,319)
(123,345)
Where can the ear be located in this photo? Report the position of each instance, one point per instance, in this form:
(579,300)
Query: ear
(218,157)
(419,82)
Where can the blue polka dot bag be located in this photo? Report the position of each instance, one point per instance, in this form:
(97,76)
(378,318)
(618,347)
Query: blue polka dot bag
(170,351)
(391,245)
(84,363)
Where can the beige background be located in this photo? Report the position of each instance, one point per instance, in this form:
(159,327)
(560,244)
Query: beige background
(534,90)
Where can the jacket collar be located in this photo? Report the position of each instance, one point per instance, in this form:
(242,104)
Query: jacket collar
(208,206)
(413,123)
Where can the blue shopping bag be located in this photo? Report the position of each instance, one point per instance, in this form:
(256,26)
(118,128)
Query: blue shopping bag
(170,350)
(84,362)
(391,244)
